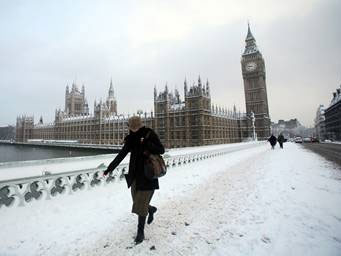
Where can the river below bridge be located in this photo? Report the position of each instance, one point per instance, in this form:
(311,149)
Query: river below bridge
(10,152)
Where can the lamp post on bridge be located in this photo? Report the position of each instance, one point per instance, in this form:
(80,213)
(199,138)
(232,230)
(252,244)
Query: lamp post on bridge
(254,135)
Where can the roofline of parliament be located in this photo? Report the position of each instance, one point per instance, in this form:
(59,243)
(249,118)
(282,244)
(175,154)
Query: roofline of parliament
(191,121)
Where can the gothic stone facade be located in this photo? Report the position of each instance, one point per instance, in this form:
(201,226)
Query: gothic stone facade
(104,126)
(193,121)
(256,100)
(333,117)
(24,128)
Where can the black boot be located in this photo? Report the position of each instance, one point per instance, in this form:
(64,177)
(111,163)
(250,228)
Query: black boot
(140,230)
(151,211)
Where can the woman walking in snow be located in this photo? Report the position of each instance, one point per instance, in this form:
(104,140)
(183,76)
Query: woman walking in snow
(273,141)
(142,188)
(281,140)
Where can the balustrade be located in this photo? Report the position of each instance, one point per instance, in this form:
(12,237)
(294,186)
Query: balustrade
(48,186)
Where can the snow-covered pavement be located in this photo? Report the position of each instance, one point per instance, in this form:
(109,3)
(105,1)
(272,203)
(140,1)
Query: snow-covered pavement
(252,202)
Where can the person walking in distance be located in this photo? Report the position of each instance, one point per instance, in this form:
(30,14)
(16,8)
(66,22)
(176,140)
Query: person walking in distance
(142,188)
(280,140)
(272,141)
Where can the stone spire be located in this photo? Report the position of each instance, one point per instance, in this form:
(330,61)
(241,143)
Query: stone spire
(166,89)
(111,103)
(250,41)
(249,36)
(207,87)
(83,92)
(111,89)
(155,92)
(74,87)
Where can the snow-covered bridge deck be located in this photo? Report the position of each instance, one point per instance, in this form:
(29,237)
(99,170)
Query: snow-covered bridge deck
(253,201)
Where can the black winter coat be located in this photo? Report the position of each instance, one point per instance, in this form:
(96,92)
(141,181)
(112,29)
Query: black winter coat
(138,151)
(280,139)
(272,140)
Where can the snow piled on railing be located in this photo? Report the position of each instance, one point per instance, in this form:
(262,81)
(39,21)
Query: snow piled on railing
(15,170)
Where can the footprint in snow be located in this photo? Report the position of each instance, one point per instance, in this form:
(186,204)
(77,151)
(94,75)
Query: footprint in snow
(337,239)
(337,218)
(266,239)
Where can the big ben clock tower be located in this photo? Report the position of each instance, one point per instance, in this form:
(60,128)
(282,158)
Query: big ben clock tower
(253,70)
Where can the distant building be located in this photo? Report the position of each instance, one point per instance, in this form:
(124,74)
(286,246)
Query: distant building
(291,124)
(333,117)
(7,132)
(24,128)
(195,121)
(290,128)
(192,121)
(75,123)
(319,123)
(75,102)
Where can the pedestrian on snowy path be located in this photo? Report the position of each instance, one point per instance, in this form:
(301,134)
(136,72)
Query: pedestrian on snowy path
(142,188)
(272,141)
(281,140)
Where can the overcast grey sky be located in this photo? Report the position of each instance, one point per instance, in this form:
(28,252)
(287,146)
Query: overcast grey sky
(45,45)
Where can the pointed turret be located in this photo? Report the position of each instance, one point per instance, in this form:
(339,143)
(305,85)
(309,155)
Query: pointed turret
(86,107)
(83,92)
(155,92)
(166,88)
(185,87)
(207,87)
(111,103)
(111,89)
(250,47)
(249,34)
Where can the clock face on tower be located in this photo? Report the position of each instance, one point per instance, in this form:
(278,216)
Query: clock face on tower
(251,66)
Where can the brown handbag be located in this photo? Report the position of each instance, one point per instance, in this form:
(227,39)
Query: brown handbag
(154,165)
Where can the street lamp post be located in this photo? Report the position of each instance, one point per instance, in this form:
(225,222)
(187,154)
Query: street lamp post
(254,135)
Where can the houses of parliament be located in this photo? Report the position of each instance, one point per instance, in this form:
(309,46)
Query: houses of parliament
(192,121)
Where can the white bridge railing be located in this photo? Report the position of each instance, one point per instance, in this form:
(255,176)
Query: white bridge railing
(25,190)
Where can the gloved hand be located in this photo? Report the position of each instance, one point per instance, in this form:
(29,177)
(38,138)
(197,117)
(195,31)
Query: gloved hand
(106,172)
